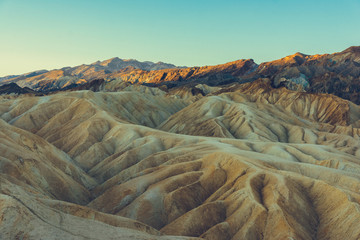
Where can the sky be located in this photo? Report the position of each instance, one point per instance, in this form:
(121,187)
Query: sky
(45,34)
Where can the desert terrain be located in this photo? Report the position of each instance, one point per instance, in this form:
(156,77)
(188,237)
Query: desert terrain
(257,157)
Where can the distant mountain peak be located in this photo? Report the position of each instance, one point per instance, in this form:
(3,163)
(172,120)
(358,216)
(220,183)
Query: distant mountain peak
(299,54)
(296,58)
(110,61)
(353,49)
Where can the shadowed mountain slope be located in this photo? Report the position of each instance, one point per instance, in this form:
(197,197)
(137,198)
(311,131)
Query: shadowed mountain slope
(13,88)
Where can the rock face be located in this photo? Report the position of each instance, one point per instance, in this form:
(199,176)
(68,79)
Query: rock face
(245,161)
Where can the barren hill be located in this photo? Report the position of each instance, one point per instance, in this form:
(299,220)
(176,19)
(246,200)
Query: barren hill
(242,161)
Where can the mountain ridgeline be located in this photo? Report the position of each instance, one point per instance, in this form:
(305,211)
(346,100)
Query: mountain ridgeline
(337,74)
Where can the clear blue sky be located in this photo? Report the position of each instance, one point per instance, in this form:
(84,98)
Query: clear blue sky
(46,34)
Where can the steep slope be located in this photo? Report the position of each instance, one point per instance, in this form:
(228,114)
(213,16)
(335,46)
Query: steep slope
(30,159)
(33,170)
(39,183)
(75,121)
(241,162)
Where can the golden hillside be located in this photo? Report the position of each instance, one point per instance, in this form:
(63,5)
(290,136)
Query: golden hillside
(242,162)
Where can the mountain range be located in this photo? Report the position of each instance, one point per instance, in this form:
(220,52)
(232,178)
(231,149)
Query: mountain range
(336,74)
(233,151)
(60,78)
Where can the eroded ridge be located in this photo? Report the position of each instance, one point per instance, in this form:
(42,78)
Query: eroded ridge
(241,162)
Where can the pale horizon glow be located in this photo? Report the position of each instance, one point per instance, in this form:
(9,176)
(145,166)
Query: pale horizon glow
(40,34)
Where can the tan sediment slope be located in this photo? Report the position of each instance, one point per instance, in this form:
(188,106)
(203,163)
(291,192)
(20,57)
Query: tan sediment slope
(243,162)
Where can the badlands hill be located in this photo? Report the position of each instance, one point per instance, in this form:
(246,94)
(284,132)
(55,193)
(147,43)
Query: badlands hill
(241,161)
